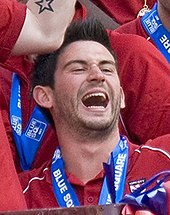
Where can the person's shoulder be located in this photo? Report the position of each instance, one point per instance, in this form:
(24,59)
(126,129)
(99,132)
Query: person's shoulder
(130,27)
(128,40)
(154,155)
(160,144)
(161,141)
(136,47)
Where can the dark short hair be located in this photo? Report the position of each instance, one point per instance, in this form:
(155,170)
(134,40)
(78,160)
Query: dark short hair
(90,29)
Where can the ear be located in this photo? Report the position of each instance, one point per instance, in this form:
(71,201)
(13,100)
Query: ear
(122,104)
(43,96)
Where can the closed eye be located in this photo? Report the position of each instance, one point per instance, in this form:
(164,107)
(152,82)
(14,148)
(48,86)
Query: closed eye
(108,71)
(79,70)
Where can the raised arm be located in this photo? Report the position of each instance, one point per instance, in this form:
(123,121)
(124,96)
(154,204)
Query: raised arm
(44,26)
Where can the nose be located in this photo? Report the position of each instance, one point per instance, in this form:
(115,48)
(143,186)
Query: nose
(95,74)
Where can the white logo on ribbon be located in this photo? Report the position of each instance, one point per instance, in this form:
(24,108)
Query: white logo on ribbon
(56,156)
(35,129)
(16,124)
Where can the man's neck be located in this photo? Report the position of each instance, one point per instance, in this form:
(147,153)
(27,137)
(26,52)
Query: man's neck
(164,15)
(85,159)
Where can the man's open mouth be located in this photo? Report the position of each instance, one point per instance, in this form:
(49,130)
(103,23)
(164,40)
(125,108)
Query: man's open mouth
(95,100)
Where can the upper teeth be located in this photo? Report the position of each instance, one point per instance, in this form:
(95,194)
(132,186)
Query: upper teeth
(95,94)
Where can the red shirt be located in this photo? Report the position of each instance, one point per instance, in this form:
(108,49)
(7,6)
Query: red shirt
(144,75)
(11,197)
(122,11)
(144,162)
(12,18)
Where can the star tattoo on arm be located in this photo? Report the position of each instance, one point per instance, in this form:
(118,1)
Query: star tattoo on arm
(45,5)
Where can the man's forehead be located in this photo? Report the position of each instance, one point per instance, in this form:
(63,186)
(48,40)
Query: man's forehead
(85,49)
(85,43)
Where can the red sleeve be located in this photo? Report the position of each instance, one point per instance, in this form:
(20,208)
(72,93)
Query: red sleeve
(144,74)
(11,197)
(12,18)
(122,11)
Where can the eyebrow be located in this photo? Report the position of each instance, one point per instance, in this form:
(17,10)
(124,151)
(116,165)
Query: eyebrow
(75,61)
(113,63)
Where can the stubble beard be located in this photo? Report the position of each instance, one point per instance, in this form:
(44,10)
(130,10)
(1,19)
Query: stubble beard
(87,129)
(100,130)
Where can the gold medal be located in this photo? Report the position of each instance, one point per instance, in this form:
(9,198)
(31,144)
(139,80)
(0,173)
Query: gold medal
(144,10)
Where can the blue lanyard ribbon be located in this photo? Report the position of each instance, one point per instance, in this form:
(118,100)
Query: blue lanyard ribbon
(29,140)
(64,193)
(155,29)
